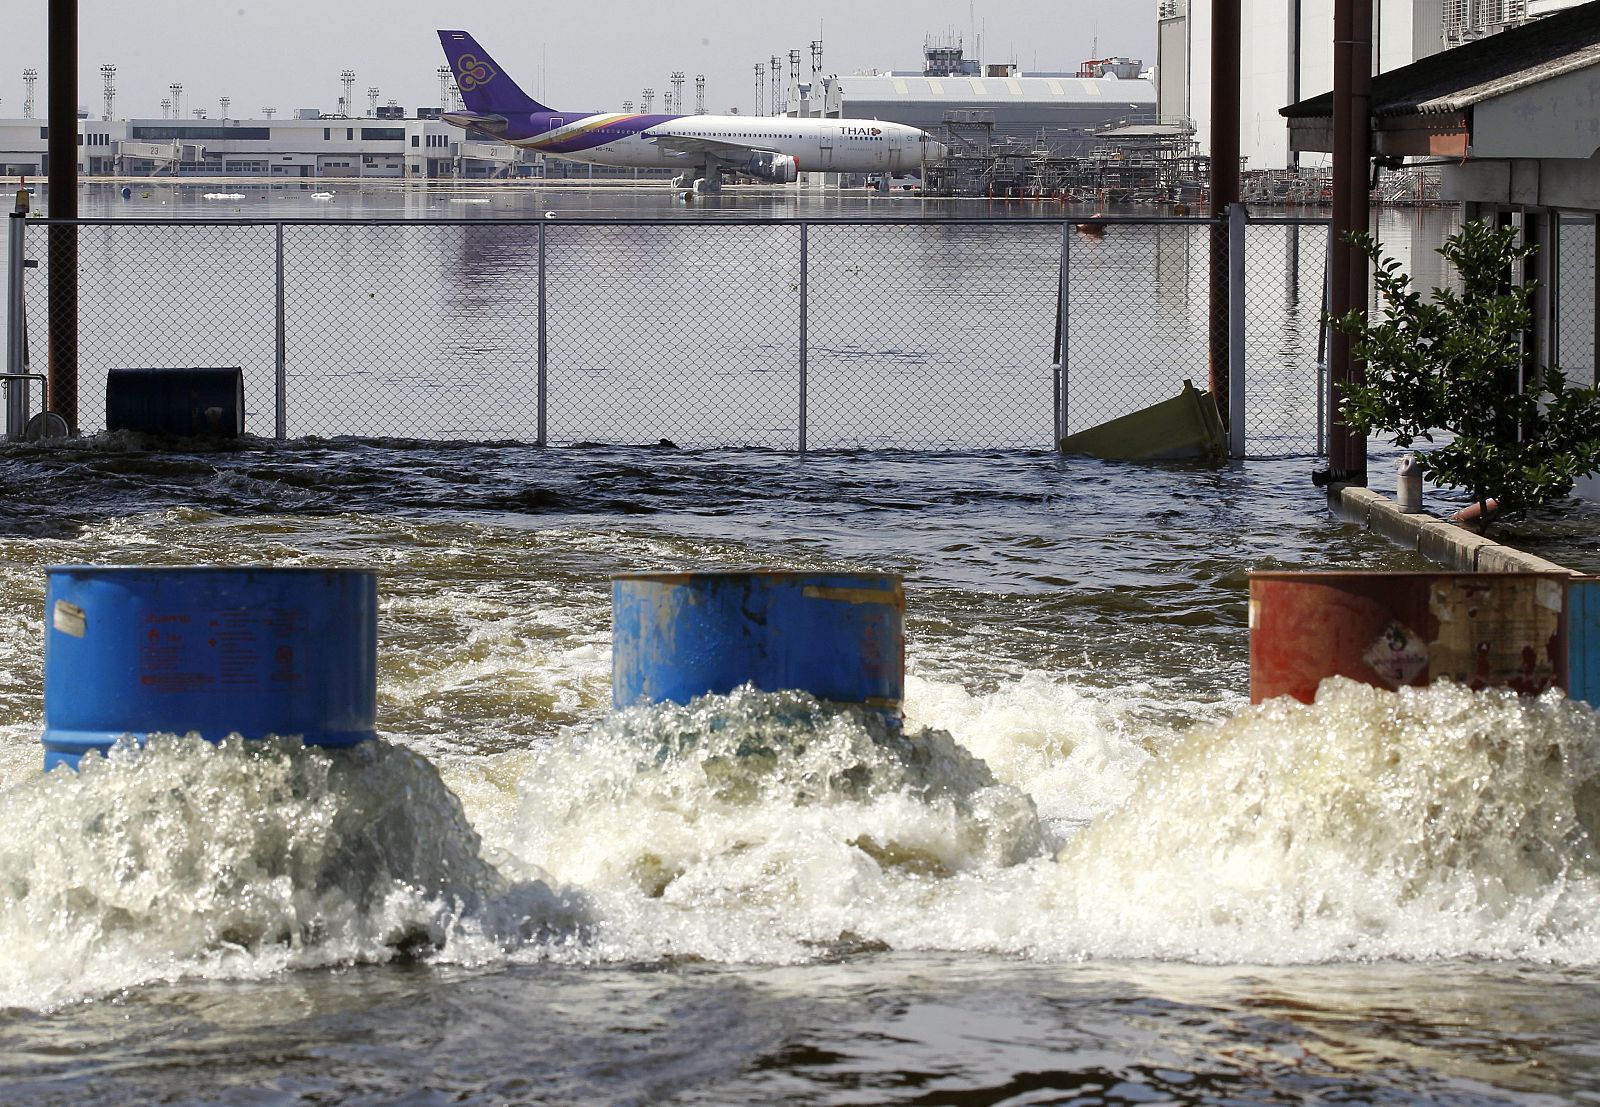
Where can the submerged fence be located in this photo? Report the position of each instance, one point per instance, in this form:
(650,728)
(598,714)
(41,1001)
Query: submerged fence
(783,333)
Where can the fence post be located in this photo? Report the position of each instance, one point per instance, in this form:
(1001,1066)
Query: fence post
(1322,346)
(16,387)
(280,349)
(1236,330)
(1063,334)
(805,306)
(544,364)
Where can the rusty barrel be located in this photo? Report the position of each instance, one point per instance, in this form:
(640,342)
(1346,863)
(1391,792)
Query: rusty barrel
(838,636)
(1482,630)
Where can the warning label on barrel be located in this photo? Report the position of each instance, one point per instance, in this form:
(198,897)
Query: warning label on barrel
(240,650)
(1398,655)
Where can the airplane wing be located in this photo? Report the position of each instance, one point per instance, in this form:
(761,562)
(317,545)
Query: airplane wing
(684,146)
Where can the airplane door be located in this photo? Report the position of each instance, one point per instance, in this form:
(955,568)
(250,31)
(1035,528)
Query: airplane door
(825,148)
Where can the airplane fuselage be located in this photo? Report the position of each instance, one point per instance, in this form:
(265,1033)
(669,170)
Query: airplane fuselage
(658,141)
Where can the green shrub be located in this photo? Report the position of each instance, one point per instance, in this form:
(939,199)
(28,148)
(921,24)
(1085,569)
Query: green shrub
(1454,363)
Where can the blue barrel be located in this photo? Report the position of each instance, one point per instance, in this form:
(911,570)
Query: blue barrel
(1583,640)
(202,402)
(251,651)
(838,636)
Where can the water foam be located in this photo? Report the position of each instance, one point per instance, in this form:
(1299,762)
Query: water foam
(756,827)
(241,859)
(1433,822)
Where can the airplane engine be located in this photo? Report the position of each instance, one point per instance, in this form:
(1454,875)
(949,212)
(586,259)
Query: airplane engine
(777,168)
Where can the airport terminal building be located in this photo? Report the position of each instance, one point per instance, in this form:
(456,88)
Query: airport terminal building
(1060,111)
(306,146)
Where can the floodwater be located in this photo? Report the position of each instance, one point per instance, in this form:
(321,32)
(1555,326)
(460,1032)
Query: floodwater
(1089,873)
(566,312)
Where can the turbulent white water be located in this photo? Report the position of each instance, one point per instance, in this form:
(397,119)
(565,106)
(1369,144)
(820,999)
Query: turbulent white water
(1434,823)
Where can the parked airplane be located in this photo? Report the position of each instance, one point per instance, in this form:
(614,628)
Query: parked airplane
(769,148)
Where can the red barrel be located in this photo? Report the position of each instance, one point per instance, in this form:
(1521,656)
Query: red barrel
(1483,630)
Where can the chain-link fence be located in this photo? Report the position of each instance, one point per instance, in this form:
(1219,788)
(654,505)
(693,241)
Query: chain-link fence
(1574,328)
(782,333)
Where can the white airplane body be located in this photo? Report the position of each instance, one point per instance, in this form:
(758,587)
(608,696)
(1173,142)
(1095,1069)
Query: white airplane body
(770,148)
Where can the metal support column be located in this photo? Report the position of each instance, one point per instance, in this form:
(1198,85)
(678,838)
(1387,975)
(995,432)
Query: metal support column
(1236,330)
(544,362)
(1352,87)
(805,311)
(62,288)
(280,359)
(1225,115)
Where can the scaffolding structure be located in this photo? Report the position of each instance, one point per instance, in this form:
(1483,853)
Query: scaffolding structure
(1130,161)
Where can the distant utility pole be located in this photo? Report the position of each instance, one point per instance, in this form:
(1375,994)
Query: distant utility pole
(627,106)
(699,93)
(166,108)
(677,90)
(223,102)
(648,99)
(199,113)
(29,76)
(794,77)
(268,113)
(444,86)
(761,86)
(816,59)
(776,73)
(372,101)
(176,88)
(108,74)
(347,77)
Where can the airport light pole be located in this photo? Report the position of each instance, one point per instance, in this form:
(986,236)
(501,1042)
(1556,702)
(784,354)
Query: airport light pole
(108,77)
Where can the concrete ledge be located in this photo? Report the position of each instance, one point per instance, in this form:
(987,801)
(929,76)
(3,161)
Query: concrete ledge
(1442,543)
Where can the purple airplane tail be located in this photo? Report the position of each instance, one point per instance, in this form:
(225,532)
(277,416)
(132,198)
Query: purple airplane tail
(486,89)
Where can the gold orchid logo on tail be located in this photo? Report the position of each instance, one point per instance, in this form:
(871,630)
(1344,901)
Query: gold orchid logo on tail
(473,73)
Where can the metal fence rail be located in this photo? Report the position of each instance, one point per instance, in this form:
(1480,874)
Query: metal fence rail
(783,333)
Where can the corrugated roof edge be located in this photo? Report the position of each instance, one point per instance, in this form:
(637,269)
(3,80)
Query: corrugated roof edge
(1491,66)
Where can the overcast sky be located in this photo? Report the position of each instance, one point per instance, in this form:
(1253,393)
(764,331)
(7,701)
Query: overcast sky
(573,56)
